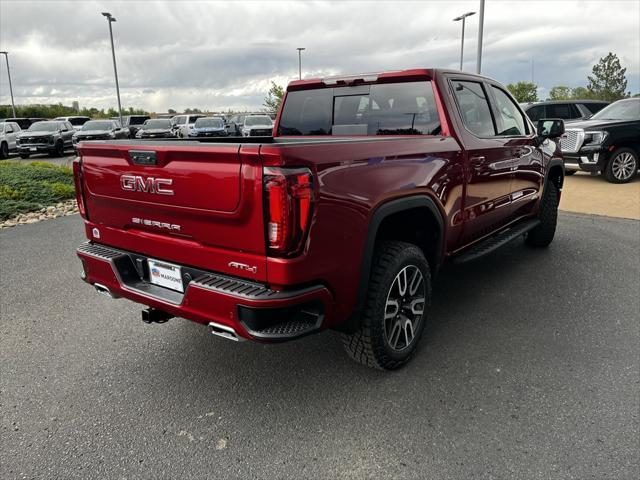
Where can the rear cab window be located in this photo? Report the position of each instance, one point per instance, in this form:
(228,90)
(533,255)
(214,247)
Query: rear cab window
(406,108)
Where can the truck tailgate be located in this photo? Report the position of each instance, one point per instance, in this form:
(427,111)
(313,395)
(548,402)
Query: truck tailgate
(186,202)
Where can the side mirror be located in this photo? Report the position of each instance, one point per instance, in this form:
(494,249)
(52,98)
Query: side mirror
(550,128)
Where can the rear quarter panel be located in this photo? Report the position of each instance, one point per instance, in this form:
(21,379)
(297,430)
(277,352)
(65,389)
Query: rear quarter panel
(353,180)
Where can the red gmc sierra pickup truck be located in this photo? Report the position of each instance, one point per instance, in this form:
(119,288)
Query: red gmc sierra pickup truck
(340,220)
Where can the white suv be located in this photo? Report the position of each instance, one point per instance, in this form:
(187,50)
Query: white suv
(8,131)
(182,124)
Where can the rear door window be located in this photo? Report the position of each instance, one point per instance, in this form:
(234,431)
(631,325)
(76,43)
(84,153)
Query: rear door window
(474,108)
(559,110)
(536,113)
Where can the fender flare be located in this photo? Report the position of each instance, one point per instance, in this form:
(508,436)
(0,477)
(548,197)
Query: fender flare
(382,212)
(553,163)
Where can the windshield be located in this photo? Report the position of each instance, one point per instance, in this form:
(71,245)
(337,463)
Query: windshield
(620,110)
(209,123)
(44,127)
(97,125)
(257,120)
(156,124)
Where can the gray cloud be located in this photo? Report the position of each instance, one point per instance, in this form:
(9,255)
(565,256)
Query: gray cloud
(222,55)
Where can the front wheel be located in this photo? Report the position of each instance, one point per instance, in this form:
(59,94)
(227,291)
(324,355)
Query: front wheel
(59,150)
(622,166)
(4,150)
(394,316)
(542,235)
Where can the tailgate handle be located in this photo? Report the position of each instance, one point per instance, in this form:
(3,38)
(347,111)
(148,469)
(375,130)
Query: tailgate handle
(143,157)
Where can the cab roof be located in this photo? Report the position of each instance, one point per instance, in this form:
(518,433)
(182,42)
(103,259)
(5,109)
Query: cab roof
(375,77)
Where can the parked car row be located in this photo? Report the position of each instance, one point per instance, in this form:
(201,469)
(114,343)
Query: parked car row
(240,125)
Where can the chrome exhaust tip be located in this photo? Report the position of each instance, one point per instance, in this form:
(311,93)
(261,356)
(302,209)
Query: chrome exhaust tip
(102,290)
(224,332)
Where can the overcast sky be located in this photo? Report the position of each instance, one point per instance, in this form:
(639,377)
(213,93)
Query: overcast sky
(219,55)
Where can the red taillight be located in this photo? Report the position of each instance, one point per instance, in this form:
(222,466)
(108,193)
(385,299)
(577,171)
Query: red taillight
(288,197)
(77,178)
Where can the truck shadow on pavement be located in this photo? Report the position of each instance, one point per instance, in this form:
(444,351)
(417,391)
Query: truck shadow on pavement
(483,315)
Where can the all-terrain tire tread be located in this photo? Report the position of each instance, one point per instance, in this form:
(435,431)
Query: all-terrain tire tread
(361,345)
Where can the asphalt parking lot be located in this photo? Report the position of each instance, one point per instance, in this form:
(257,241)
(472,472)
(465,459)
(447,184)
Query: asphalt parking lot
(529,370)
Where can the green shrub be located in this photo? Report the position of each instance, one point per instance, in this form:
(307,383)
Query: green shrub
(9,193)
(63,190)
(27,187)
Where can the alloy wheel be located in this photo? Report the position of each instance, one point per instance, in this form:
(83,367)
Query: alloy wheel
(404,308)
(623,165)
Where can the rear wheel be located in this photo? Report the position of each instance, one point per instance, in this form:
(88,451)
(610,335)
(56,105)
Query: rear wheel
(622,166)
(542,235)
(4,150)
(394,316)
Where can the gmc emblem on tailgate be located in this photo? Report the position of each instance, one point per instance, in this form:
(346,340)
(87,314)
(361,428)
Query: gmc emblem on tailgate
(137,183)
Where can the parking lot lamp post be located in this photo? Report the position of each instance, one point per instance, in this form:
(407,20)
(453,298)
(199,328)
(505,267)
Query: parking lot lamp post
(480,28)
(463,18)
(13,106)
(300,49)
(110,20)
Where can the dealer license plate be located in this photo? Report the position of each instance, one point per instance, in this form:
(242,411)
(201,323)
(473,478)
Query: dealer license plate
(165,275)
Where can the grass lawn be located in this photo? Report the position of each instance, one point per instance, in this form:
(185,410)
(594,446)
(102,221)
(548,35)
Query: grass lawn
(28,187)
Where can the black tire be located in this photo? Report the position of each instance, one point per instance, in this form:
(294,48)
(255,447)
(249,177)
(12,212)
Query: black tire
(542,235)
(24,155)
(568,173)
(372,343)
(622,167)
(4,150)
(58,151)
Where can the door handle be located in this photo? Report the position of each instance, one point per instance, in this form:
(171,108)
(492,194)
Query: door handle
(521,152)
(478,159)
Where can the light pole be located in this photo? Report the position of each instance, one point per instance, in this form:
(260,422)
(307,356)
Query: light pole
(300,49)
(480,28)
(13,106)
(110,20)
(463,17)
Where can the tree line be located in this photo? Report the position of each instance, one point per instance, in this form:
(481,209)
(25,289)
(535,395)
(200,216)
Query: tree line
(607,82)
(59,110)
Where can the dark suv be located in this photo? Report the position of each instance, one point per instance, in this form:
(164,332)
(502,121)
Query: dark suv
(564,109)
(608,142)
(51,137)
(133,123)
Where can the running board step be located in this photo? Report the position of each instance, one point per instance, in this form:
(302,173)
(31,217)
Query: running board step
(496,241)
